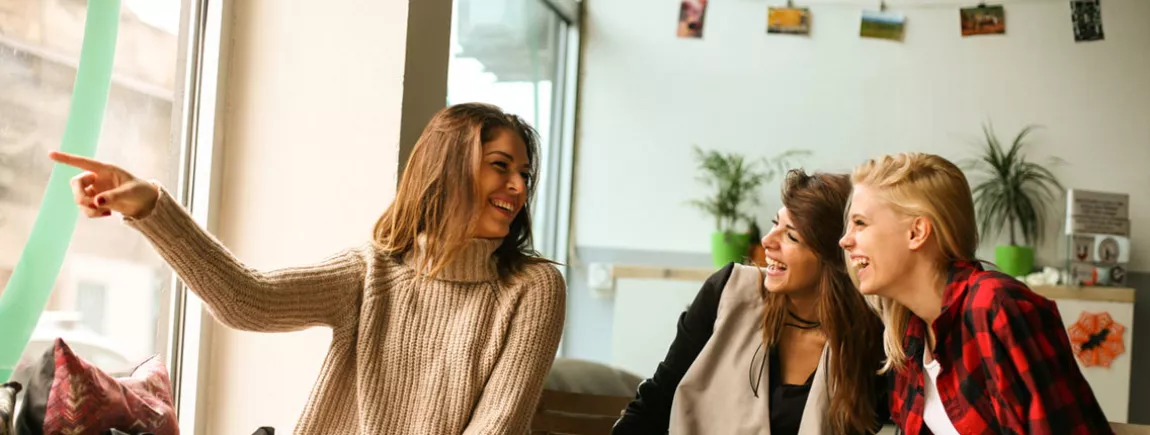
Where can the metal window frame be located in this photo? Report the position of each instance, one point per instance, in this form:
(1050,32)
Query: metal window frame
(554,213)
(568,10)
(198,99)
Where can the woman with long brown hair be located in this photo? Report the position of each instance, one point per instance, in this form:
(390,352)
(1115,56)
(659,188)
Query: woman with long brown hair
(786,349)
(446,323)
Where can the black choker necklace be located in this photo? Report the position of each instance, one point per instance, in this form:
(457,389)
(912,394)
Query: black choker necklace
(801,322)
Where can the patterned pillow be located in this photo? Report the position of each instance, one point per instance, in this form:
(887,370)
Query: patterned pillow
(82,400)
(8,406)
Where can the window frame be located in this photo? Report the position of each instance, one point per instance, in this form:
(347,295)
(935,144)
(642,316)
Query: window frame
(198,100)
(569,11)
(193,117)
(553,212)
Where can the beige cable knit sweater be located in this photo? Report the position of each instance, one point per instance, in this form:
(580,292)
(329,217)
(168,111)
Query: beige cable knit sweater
(461,354)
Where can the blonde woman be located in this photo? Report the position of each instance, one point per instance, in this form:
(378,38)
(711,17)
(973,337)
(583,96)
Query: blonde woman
(972,351)
(446,323)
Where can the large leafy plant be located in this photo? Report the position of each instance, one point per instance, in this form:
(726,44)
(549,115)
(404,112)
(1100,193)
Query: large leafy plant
(1014,194)
(734,181)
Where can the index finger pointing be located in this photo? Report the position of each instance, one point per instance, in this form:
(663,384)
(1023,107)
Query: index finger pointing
(78,161)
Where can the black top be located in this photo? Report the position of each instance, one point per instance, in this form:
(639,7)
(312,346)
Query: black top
(787,401)
(650,411)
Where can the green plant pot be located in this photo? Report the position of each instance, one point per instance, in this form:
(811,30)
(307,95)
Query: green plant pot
(729,247)
(1014,260)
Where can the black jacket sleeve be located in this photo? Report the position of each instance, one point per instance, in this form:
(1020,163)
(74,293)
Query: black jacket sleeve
(883,385)
(650,412)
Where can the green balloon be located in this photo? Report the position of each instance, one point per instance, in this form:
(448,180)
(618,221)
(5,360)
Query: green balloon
(31,283)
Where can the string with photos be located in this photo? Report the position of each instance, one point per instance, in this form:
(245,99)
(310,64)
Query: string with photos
(912,4)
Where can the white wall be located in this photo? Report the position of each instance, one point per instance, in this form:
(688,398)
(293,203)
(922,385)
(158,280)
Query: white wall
(310,155)
(647,97)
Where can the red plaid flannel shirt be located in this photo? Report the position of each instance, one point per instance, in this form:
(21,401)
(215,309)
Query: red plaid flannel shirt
(1006,363)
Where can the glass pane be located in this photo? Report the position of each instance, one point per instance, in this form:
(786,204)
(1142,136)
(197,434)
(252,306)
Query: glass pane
(110,300)
(505,52)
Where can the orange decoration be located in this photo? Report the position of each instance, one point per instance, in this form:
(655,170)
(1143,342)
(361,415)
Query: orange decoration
(1096,339)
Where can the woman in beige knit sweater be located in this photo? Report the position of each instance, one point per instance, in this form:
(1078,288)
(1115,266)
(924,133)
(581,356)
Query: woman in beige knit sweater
(446,323)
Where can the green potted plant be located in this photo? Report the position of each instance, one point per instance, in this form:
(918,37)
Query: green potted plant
(734,183)
(1014,195)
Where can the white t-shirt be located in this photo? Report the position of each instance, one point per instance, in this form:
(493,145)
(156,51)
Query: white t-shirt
(934,415)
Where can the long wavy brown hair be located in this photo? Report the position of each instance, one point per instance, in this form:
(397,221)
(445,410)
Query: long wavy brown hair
(438,197)
(817,204)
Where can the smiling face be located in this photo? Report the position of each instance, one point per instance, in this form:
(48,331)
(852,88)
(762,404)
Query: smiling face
(502,180)
(878,241)
(791,265)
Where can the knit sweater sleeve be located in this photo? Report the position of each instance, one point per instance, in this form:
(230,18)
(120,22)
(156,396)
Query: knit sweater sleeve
(512,392)
(289,299)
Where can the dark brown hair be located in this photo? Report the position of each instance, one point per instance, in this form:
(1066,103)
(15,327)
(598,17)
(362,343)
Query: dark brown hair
(817,204)
(437,195)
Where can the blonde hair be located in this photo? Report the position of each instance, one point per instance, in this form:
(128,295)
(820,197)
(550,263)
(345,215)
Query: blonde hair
(926,185)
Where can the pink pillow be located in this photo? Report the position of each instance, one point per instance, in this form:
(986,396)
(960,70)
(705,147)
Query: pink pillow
(86,401)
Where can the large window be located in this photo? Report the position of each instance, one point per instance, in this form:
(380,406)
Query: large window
(112,300)
(520,55)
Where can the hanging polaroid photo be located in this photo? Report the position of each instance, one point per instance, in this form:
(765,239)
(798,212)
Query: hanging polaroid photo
(983,20)
(691,14)
(790,21)
(882,25)
(1087,18)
